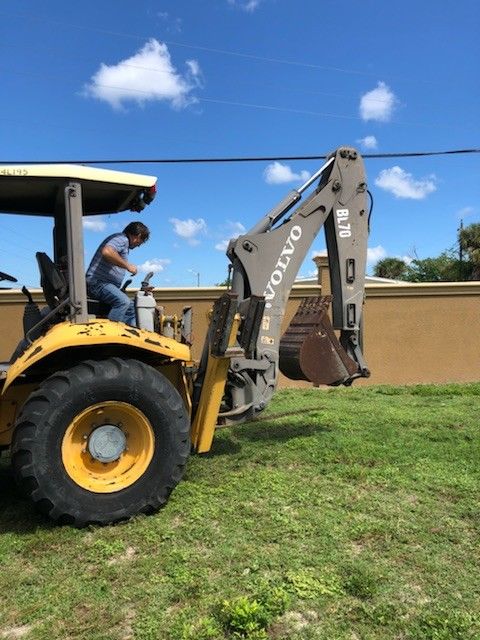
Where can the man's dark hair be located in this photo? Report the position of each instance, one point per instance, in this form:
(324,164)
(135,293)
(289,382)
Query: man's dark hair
(135,228)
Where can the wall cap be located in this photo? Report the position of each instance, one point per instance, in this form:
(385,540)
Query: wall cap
(373,290)
(162,293)
(422,289)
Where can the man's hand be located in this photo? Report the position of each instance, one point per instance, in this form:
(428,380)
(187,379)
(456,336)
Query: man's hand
(113,257)
(131,268)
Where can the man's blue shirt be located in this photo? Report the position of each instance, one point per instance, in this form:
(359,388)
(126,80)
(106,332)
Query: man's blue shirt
(100,270)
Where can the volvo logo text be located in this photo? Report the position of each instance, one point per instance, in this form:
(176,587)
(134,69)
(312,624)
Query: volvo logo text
(283,261)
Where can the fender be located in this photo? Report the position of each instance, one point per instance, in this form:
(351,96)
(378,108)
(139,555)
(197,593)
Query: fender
(101,333)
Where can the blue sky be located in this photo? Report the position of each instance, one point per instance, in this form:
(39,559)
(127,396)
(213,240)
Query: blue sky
(165,79)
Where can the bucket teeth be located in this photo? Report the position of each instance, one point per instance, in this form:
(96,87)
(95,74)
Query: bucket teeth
(310,350)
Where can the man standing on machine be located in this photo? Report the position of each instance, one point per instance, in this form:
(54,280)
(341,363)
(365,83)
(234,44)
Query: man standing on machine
(107,270)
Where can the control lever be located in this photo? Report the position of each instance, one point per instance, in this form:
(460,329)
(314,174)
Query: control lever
(28,295)
(126,284)
(145,285)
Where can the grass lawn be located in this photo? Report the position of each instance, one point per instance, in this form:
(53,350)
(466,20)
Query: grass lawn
(344,514)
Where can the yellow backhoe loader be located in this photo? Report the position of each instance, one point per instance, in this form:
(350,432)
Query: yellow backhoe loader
(100,417)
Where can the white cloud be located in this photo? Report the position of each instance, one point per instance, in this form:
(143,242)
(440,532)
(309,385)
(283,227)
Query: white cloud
(246,5)
(154,264)
(147,75)
(404,185)
(378,104)
(374,254)
(94,223)
(278,173)
(234,230)
(369,142)
(312,273)
(194,68)
(189,229)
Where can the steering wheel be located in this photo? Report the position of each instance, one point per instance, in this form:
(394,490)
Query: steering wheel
(5,276)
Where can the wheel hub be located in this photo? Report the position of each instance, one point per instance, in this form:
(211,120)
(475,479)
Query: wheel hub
(107,443)
(108,446)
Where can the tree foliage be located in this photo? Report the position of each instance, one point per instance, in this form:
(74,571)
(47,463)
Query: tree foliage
(447,267)
(443,268)
(470,243)
(393,268)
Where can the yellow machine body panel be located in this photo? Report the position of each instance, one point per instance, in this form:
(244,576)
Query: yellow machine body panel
(10,405)
(96,333)
(204,423)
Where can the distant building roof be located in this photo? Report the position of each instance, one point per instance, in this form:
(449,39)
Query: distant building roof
(371,279)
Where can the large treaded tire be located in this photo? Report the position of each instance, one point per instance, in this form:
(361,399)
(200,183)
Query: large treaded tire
(41,426)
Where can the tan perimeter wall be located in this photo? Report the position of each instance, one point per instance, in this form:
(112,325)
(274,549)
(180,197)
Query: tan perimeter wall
(423,333)
(413,333)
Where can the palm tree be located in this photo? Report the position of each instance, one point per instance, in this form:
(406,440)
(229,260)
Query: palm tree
(470,243)
(393,268)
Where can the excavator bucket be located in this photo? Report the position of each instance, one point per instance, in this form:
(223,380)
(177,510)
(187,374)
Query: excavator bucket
(310,350)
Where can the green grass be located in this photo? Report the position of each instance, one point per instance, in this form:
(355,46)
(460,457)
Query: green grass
(344,514)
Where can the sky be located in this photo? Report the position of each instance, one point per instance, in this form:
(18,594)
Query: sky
(116,80)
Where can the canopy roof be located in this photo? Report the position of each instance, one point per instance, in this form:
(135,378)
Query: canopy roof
(39,189)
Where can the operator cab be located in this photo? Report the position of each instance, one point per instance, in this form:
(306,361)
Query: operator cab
(66,194)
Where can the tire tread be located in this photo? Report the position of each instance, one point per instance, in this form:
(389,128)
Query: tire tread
(36,418)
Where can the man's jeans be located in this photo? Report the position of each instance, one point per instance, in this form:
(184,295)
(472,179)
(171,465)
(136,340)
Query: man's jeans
(122,309)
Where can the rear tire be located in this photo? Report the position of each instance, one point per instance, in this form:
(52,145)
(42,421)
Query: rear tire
(57,463)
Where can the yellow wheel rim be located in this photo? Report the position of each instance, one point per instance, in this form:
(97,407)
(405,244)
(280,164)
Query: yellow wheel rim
(134,444)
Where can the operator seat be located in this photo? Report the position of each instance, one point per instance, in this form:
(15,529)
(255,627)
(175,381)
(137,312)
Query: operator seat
(55,287)
(52,281)
(54,284)
(36,322)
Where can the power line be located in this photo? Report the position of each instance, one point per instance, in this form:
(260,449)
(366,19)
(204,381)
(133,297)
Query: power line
(173,71)
(407,154)
(132,92)
(224,52)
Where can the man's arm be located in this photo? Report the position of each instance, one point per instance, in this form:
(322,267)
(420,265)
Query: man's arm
(113,257)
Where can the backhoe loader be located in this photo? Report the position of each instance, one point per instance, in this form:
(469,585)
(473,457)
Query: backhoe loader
(100,417)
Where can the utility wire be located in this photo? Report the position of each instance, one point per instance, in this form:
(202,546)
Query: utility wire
(224,52)
(131,93)
(407,154)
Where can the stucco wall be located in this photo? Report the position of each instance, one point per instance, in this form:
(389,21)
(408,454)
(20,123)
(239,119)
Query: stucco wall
(413,333)
(423,333)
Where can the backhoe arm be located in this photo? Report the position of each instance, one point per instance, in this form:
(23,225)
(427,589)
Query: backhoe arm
(266,261)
